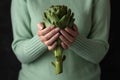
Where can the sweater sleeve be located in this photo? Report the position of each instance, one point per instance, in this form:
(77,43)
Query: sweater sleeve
(26,47)
(94,47)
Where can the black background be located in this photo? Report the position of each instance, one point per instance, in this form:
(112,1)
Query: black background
(9,65)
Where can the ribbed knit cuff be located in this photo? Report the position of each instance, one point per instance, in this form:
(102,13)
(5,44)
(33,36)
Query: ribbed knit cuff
(34,48)
(86,49)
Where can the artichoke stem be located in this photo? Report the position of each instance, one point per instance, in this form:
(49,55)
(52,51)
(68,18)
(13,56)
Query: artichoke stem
(58,60)
(59,67)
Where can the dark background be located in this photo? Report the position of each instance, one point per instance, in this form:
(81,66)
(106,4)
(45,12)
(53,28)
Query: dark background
(9,65)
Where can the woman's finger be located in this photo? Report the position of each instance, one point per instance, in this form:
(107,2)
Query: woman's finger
(64,40)
(52,39)
(71,32)
(52,33)
(75,27)
(52,47)
(64,45)
(40,25)
(45,31)
(67,36)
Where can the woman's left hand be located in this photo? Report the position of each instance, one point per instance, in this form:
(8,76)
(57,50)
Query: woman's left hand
(68,36)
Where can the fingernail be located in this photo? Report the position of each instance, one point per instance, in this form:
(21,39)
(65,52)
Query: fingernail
(57,29)
(58,33)
(61,31)
(66,28)
(52,27)
(40,26)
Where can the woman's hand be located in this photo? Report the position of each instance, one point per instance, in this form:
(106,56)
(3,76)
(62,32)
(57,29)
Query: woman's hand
(68,36)
(48,35)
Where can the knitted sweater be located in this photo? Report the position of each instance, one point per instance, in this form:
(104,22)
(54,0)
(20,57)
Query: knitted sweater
(92,18)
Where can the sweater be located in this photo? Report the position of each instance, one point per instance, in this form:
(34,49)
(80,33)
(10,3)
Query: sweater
(92,18)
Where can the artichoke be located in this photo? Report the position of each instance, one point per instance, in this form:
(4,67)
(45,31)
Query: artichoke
(62,17)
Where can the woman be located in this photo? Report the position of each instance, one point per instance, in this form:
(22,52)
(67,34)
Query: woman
(85,45)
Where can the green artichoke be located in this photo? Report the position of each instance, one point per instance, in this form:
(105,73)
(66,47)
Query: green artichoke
(62,17)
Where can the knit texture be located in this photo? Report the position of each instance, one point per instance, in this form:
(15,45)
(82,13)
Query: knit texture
(92,18)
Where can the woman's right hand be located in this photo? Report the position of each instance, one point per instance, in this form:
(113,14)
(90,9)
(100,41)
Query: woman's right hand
(48,35)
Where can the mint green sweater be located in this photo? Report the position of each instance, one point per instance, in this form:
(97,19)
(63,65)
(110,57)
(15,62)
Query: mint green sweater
(92,18)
